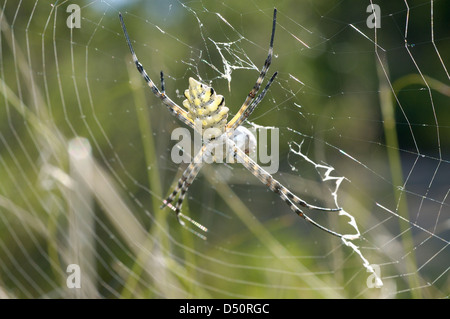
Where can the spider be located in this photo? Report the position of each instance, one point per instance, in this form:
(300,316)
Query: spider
(204,109)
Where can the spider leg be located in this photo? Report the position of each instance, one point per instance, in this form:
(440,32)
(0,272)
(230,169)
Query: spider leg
(182,187)
(238,118)
(163,89)
(183,179)
(176,110)
(183,184)
(177,209)
(171,197)
(185,187)
(183,191)
(188,176)
(272,183)
(255,102)
(300,213)
(287,196)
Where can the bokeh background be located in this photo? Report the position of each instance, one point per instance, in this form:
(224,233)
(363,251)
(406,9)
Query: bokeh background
(85,150)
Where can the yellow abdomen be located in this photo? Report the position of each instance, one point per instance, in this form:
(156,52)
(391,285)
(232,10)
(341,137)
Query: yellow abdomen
(205,106)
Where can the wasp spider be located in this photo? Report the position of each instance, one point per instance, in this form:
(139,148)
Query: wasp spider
(204,106)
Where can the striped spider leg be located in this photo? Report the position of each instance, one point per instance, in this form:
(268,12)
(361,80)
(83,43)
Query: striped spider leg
(291,199)
(243,111)
(184,182)
(175,109)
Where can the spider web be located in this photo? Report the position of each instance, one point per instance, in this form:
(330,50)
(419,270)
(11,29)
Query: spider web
(85,162)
